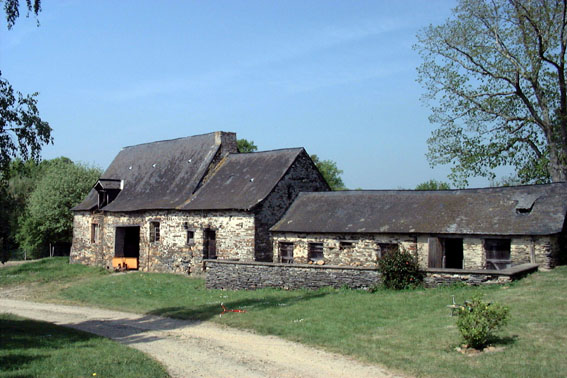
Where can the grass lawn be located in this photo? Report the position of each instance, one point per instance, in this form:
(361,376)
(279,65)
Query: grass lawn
(37,349)
(410,331)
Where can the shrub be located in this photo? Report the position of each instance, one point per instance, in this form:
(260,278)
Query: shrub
(400,270)
(479,320)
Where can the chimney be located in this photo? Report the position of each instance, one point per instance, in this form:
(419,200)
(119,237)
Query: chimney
(227,141)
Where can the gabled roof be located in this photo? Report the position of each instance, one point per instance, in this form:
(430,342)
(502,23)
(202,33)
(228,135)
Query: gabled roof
(243,180)
(520,210)
(157,175)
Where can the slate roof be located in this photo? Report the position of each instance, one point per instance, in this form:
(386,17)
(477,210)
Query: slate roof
(243,180)
(239,182)
(520,210)
(157,175)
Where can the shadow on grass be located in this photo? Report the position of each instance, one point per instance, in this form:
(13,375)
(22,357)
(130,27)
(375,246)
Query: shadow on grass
(138,329)
(24,341)
(250,304)
(503,340)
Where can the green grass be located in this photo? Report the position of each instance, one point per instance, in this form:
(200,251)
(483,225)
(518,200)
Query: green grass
(37,349)
(47,270)
(410,331)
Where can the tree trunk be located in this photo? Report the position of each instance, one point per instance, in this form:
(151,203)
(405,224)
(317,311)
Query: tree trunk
(557,163)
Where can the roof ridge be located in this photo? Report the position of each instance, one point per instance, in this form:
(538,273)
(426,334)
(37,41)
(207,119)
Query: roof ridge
(172,139)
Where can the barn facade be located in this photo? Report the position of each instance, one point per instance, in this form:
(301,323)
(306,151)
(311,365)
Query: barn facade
(166,206)
(471,229)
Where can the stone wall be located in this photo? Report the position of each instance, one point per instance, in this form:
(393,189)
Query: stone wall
(363,250)
(542,250)
(172,253)
(237,275)
(302,176)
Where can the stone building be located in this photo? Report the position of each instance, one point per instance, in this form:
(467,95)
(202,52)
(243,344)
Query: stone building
(471,229)
(165,206)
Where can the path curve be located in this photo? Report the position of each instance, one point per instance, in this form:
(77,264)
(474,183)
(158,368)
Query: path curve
(199,349)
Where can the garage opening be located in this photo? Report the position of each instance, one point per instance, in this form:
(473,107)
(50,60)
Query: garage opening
(126,248)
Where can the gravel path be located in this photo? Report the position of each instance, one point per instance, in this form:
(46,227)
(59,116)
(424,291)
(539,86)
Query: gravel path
(199,349)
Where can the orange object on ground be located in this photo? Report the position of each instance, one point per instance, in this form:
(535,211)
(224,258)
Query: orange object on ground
(125,263)
(225,310)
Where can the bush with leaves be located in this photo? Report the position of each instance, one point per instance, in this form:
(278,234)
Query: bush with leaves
(478,320)
(400,270)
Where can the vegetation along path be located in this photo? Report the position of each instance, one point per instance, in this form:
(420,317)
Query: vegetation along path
(198,348)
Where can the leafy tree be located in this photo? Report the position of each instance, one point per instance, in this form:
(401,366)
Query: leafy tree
(245,146)
(330,172)
(22,179)
(495,76)
(22,131)
(47,218)
(433,185)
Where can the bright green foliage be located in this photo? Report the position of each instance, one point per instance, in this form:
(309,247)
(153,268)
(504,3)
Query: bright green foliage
(433,185)
(479,320)
(245,146)
(331,173)
(495,77)
(400,270)
(47,218)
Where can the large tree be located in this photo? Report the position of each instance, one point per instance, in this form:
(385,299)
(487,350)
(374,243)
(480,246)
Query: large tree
(47,217)
(22,131)
(495,75)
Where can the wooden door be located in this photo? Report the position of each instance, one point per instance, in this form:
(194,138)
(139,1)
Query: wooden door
(210,245)
(435,259)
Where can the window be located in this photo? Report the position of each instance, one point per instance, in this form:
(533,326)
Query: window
(497,253)
(385,249)
(315,252)
(94,233)
(190,237)
(154,232)
(346,245)
(286,252)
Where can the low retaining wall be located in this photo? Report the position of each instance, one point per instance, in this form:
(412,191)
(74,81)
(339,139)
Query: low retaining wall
(255,275)
(235,275)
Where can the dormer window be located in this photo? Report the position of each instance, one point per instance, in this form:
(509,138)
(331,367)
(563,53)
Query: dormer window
(525,204)
(107,190)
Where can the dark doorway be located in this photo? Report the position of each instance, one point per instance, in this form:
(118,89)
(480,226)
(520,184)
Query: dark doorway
(453,253)
(127,242)
(210,244)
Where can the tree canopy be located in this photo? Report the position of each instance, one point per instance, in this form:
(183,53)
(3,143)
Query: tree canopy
(331,173)
(12,10)
(47,217)
(22,131)
(495,79)
(245,146)
(433,185)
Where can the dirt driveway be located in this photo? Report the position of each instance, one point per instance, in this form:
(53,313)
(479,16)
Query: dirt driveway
(198,349)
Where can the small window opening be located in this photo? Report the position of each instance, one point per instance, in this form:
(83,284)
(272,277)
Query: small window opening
(344,245)
(286,252)
(154,232)
(386,249)
(315,252)
(94,233)
(190,237)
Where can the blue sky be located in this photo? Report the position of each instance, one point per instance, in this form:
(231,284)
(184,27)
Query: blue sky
(335,77)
